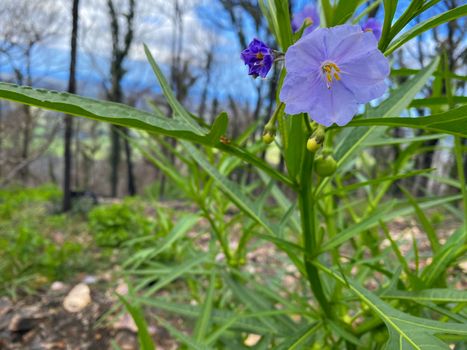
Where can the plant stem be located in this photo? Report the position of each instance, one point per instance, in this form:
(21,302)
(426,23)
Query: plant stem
(460,173)
(308,219)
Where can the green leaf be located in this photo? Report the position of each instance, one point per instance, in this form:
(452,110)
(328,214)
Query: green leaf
(179,111)
(296,146)
(405,331)
(344,10)
(299,339)
(179,230)
(434,295)
(452,122)
(384,214)
(426,224)
(180,336)
(204,319)
(444,257)
(278,17)
(231,189)
(458,12)
(389,12)
(176,272)
(241,321)
(437,101)
(144,338)
(405,72)
(257,302)
(111,112)
(355,186)
(326,13)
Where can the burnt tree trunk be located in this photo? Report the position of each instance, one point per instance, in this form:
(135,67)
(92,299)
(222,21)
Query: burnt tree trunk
(68,119)
(117,72)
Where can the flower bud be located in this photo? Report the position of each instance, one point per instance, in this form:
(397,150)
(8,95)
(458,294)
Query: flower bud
(325,166)
(312,144)
(268,137)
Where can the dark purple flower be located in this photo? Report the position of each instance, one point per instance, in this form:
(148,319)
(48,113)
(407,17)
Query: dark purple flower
(330,71)
(259,58)
(372,25)
(309,15)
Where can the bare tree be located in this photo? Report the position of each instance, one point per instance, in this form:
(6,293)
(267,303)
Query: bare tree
(67,156)
(19,40)
(120,50)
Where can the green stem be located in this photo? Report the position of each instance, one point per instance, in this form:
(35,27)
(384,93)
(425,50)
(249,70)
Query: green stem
(460,174)
(308,219)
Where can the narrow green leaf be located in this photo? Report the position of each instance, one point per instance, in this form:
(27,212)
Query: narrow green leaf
(112,112)
(389,12)
(427,226)
(202,324)
(295,148)
(353,230)
(344,10)
(144,338)
(218,316)
(179,230)
(299,339)
(437,101)
(457,12)
(434,295)
(355,186)
(231,189)
(384,214)
(444,257)
(180,112)
(405,331)
(452,122)
(180,336)
(176,272)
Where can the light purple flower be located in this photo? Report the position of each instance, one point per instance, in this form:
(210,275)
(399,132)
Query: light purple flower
(309,15)
(330,71)
(259,58)
(372,25)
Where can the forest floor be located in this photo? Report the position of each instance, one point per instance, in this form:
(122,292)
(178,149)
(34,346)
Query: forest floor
(41,321)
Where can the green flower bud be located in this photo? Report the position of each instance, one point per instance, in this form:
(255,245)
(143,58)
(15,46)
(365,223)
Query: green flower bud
(268,137)
(312,144)
(325,166)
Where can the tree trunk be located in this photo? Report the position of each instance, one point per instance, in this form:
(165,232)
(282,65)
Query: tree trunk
(117,72)
(68,119)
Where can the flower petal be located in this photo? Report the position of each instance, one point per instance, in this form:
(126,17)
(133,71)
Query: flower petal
(355,45)
(336,105)
(365,76)
(296,93)
(307,54)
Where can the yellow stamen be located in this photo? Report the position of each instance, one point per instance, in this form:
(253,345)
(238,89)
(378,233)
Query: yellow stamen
(259,56)
(330,70)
